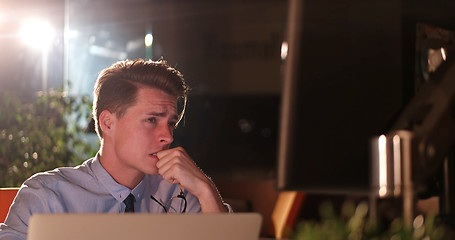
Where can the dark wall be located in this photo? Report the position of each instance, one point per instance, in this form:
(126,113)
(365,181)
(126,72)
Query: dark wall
(228,136)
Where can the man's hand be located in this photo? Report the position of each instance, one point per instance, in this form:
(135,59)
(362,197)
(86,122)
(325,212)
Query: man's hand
(176,166)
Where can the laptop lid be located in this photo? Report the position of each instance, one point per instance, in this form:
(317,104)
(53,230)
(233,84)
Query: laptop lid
(238,226)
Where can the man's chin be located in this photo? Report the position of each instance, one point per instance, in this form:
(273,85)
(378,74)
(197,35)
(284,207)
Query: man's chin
(150,171)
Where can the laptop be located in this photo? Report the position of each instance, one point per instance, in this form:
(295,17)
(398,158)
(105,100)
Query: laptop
(238,226)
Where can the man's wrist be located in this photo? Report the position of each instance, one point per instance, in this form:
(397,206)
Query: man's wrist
(211,201)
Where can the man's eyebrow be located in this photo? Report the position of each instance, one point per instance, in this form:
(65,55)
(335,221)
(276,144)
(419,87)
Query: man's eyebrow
(163,114)
(157,114)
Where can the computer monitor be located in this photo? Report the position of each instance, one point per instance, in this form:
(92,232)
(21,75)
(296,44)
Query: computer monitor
(342,85)
(351,68)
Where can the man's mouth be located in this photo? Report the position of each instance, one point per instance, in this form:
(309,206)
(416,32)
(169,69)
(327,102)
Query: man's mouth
(154,154)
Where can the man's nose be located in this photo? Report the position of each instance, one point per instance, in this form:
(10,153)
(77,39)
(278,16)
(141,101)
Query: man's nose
(165,135)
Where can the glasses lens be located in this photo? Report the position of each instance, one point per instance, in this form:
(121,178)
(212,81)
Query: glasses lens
(176,204)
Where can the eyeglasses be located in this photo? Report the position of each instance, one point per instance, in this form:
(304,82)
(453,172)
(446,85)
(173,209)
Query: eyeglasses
(173,203)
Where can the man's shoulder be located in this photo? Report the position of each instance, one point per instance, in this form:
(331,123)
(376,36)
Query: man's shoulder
(60,175)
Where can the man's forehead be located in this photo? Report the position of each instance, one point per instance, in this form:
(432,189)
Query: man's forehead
(164,104)
(157,101)
(159,106)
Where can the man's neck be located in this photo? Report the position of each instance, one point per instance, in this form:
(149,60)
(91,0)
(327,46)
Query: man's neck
(129,179)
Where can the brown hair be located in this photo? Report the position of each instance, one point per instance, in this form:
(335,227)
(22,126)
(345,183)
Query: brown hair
(116,87)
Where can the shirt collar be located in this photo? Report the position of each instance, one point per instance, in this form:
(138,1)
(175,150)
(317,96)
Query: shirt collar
(117,190)
(139,190)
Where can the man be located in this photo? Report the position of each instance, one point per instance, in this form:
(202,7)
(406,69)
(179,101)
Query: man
(135,113)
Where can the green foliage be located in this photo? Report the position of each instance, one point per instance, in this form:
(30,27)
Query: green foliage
(353,224)
(41,134)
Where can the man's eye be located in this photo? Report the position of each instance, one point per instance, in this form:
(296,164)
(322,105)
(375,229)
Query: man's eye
(151,120)
(172,124)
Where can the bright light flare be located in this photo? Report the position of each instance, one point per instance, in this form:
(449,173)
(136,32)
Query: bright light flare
(443,54)
(37,33)
(148,40)
(382,165)
(397,164)
(284,50)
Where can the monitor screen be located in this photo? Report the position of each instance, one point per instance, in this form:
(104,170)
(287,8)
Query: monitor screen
(343,84)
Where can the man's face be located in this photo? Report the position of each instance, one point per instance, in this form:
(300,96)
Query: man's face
(145,129)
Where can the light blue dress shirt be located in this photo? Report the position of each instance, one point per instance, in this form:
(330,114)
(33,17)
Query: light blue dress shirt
(87,188)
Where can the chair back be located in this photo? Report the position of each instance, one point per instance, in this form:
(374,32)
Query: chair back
(7,196)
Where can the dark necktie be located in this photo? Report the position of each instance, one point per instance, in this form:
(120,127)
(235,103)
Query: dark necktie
(129,202)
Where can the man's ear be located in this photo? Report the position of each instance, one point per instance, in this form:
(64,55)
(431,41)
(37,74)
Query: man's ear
(107,120)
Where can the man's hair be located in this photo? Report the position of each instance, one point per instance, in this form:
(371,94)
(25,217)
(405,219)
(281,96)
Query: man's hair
(116,87)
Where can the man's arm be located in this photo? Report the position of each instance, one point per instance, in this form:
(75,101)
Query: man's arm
(30,199)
